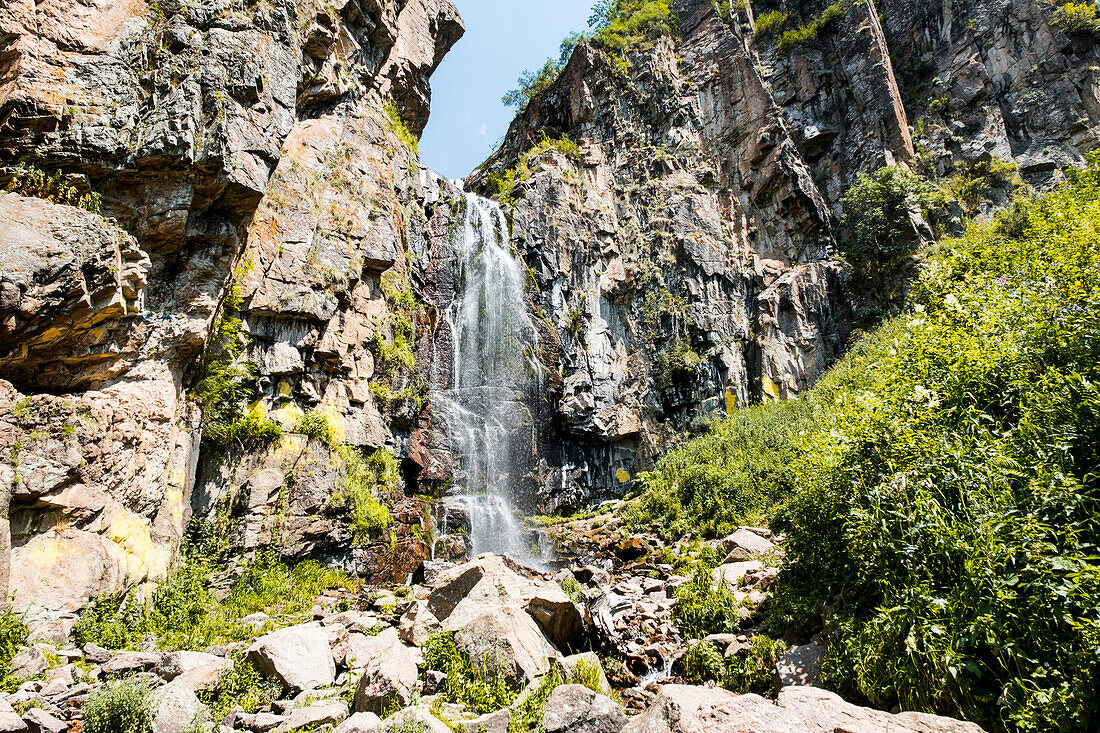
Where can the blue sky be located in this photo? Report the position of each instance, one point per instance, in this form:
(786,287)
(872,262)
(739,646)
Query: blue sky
(503,37)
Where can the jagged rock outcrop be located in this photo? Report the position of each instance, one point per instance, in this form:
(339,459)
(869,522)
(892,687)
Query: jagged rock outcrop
(177,116)
(685,258)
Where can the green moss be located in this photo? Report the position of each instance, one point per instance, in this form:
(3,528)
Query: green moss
(397,126)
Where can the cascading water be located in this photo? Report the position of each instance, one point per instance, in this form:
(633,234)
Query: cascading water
(479,401)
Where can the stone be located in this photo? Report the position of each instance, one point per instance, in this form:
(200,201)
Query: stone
(174,664)
(509,637)
(743,544)
(577,709)
(177,708)
(733,573)
(263,722)
(688,709)
(799,665)
(319,713)
(418,623)
(298,656)
(360,723)
(96,654)
(28,662)
(10,721)
(496,722)
(389,678)
(129,662)
(417,718)
(39,721)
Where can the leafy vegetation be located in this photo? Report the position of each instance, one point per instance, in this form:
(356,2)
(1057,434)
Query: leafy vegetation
(366,478)
(533,83)
(505,183)
(752,669)
(393,348)
(241,686)
(27,180)
(969,184)
(809,32)
(618,25)
(769,23)
(228,386)
(182,613)
(397,126)
(1077,18)
(13,635)
(942,482)
(705,605)
(481,688)
(120,706)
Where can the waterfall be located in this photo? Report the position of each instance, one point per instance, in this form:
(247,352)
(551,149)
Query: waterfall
(479,397)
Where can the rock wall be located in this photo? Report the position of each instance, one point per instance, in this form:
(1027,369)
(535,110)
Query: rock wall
(201,126)
(685,262)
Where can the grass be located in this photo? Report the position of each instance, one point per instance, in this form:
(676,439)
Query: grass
(481,689)
(241,686)
(183,614)
(938,489)
(13,635)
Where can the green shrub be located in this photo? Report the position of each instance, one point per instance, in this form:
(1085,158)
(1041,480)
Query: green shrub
(705,605)
(877,211)
(13,635)
(482,688)
(120,706)
(27,180)
(675,366)
(753,669)
(622,24)
(969,184)
(529,713)
(397,126)
(809,32)
(241,686)
(701,662)
(769,24)
(573,589)
(531,84)
(504,183)
(1077,18)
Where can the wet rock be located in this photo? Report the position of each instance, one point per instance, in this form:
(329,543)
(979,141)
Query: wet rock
(577,709)
(298,656)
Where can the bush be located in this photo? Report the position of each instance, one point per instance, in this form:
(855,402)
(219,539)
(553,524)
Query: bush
(701,662)
(769,24)
(120,706)
(1077,18)
(28,180)
(706,606)
(622,24)
(506,182)
(753,669)
(13,635)
(809,32)
(481,688)
(241,686)
(877,212)
(531,84)
(396,125)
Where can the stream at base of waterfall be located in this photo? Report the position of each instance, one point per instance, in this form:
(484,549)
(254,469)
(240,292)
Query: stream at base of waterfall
(480,395)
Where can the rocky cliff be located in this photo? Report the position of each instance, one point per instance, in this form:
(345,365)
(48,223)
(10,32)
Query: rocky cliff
(223,265)
(192,129)
(684,256)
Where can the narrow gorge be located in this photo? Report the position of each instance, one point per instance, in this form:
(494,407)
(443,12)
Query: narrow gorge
(270,387)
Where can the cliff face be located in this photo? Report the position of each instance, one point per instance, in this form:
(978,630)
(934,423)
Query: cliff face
(187,120)
(254,166)
(685,262)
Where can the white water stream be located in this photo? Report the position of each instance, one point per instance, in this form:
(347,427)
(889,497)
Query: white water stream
(479,403)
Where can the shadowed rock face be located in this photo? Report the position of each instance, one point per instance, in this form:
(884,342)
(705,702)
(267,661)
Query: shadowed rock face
(686,260)
(187,118)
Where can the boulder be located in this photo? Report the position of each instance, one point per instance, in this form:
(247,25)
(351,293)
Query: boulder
(96,654)
(733,573)
(317,714)
(799,665)
(10,722)
(577,709)
(355,651)
(39,721)
(174,664)
(177,707)
(29,662)
(389,676)
(689,709)
(298,656)
(418,623)
(130,662)
(744,543)
(417,718)
(468,591)
(360,723)
(509,637)
(489,723)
